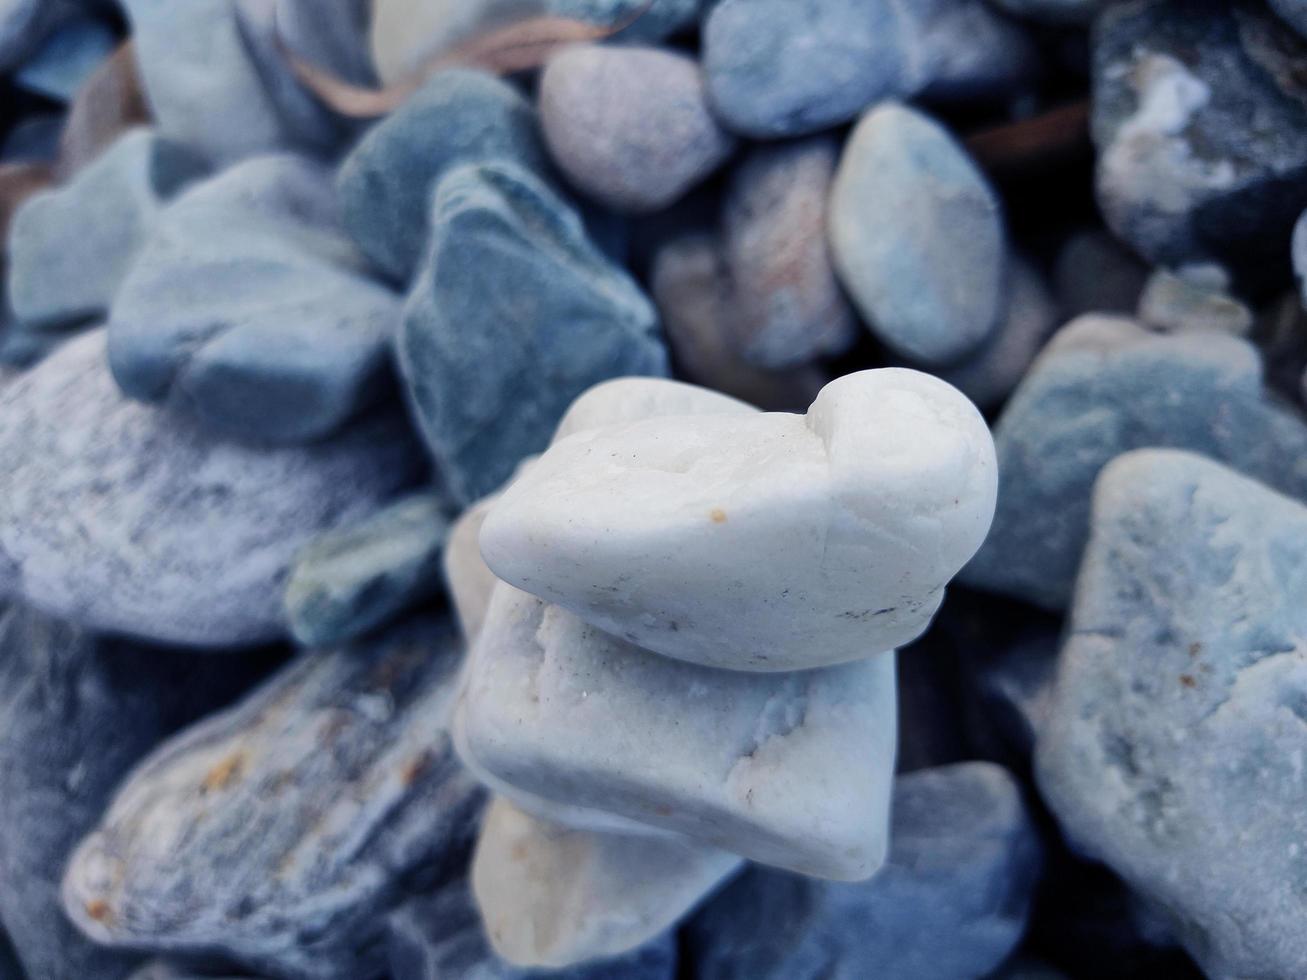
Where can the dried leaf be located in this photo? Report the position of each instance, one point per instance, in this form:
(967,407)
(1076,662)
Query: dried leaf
(519,46)
(1033,144)
(109,103)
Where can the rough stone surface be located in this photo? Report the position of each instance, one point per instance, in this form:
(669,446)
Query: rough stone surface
(1101,387)
(1172,749)
(71,247)
(554,896)
(288,826)
(110,510)
(950,903)
(929,279)
(514,314)
(1200,119)
(77,713)
(629,126)
(762,542)
(386,181)
(250,305)
(791,308)
(351,580)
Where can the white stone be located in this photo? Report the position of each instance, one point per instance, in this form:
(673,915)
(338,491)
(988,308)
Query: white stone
(758,542)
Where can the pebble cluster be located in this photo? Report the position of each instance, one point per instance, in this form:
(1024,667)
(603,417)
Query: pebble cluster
(653,489)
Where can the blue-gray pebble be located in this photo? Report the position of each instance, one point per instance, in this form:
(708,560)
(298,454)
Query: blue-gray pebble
(514,314)
(1173,746)
(386,182)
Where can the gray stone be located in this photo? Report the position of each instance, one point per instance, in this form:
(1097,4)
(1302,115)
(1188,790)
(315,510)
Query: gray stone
(440,937)
(67,58)
(991,373)
(1095,273)
(950,904)
(71,247)
(929,279)
(351,580)
(33,139)
(791,308)
(130,519)
(1200,119)
(628,126)
(515,313)
(1193,298)
(700,312)
(787,67)
(386,181)
(24,24)
(288,826)
(1293,12)
(1173,745)
(249,305)
(77,713)
(1101,387)
(965,51)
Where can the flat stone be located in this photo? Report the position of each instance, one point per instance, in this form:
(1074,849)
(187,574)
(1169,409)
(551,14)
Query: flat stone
(386,181)
(700,311)
(554,896)
(249,305)
(663,532)
(792,309)
(353,579)
(78,712)
(1101,387)
(514,314)
(629,126)
(1193,298)
(287,825)
(930,279)
(1200,121)
(130,519)
(1171,748)
(950,904)
(71,247)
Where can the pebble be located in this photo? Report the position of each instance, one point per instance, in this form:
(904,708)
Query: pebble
(514,314)
(1292,12)
(554,896)
(758,542)
(67,58)
(1180,767)
(950,904)
(1101,387)
(629,126)
(468,581)
(71,247)
(929,280)
(700,312)
(249,305)
(966,52)
(1193,298)
(77,713)
(130,519)
(791,308)
(24,24)
(386,181)
(287,825)
(1095,273)
(351,580)
(1200,120)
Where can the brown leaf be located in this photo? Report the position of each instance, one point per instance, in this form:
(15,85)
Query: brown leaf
(1033,144)
(516,47)
(109,103)
(18,182)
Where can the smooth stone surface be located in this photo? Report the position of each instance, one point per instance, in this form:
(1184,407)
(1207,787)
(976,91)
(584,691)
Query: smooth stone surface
(1095,273)
(929,279)
(1193,298)
(386,182)
(77,714)
(24,24)
(1172,748)
(353,579)
(950,903)
(287,826)
(700,311)
(990,374)
(629,126)
(67,58)
(1101,387)
(71,247)
(1200,119)
(514,314)
(791,770)
(130,519)
(765,542)
(792,309)
(965,51)
(553,896)
(249,305)
(440,937)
